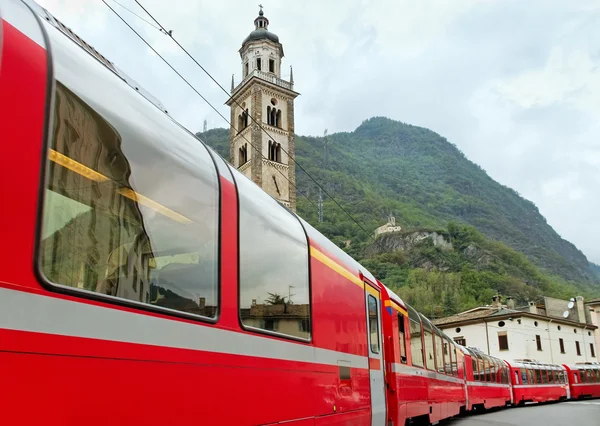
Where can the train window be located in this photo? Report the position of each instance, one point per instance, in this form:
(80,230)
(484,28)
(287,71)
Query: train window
(416,345)
(373,324)
(582,375)
(448,357)
(131,206)
(524,377)
(531,376)
(505,373)
(550,376)
(483,370)
(428,340)
(439,354)
(274,257)
(517,376)
(544,376)
(538,376)
(493,371)
(475,366)
(402,338)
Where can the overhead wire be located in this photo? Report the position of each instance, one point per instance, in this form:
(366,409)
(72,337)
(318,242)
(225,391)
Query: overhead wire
(198,93)
(138,16)
(253,119)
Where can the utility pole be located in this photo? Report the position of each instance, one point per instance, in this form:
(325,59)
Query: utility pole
(320,206)
(205,126)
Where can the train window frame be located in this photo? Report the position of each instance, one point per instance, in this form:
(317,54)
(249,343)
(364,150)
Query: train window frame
(414,319)
(455,357)
(49,152)
(429,357)
(237,178)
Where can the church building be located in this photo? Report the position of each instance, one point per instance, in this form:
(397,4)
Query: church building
(261,140)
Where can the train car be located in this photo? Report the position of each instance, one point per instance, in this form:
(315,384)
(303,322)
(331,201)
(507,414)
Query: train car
(487,379)
(146,281)
(537,382)
(584,380)
(427,369)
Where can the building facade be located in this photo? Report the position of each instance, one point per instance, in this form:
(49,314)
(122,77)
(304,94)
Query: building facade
(528,332)
(261,141)
(390,226)
(593,307)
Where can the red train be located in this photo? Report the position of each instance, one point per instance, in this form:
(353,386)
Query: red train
(146,281)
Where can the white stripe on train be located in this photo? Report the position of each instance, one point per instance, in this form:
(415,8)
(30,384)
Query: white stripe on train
(42,314)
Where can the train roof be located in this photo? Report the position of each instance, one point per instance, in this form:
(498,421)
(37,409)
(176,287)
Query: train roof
(52,20)
(584,366)
(535,365)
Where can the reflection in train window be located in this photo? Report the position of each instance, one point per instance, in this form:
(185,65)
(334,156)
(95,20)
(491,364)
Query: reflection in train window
(129,216)
(273,249)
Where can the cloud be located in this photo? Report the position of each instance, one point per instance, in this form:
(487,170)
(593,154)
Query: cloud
(515,85)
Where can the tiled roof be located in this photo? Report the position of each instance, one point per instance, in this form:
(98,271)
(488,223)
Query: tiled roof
(593,302)
(465,316)
(491,312)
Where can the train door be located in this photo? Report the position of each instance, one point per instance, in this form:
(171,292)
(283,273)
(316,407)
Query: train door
(376,368)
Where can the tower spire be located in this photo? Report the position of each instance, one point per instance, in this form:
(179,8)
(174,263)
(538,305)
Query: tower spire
(232,86)
(291,75)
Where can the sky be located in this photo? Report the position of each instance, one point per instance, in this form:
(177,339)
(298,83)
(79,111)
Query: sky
(514,85)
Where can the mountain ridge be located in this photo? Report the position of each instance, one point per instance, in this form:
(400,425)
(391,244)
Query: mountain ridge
(387,167)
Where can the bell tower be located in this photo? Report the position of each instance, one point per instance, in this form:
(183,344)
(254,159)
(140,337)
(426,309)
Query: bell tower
(263,97)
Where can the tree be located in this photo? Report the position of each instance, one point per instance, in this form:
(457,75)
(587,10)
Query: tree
(275,299)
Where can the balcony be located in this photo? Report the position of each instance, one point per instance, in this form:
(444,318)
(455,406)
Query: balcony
(267,76)
(275,164)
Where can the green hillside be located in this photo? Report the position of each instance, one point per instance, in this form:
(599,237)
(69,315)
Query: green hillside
(386,167)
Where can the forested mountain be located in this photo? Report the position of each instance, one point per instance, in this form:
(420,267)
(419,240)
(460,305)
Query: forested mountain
(387,167)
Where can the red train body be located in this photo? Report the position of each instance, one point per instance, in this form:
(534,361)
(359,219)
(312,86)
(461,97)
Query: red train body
(536,382)
(584,380)
(145,281)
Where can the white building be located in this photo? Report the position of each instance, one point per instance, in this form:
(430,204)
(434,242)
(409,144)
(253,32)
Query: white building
(390,226)
(538,331)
